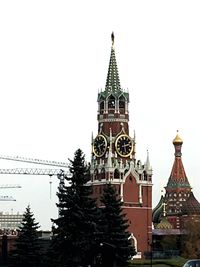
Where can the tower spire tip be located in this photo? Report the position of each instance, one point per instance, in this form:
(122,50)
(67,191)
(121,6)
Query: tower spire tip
(112,38)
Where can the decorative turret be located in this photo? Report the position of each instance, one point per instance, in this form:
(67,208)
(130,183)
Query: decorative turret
(147,165)
(177,144)
(178,188)
(178,180)
(178,198)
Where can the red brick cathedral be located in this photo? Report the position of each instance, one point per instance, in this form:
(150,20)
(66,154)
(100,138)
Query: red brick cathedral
(114,159)
(178,205)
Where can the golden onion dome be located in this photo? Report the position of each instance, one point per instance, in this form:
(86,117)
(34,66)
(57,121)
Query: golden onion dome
(164,224)
(177,140)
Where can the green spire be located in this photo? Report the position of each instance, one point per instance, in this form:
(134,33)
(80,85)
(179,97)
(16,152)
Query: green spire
(112,81)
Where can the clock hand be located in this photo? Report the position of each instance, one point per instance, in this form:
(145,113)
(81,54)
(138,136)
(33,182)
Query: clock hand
(124,147)
(126,144)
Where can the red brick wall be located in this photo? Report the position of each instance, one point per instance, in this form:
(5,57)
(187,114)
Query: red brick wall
(138,213)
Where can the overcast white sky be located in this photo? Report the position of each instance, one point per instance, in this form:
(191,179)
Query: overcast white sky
(54,58)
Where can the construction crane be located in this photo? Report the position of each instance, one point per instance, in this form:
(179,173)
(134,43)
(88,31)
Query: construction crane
(8,198)
(32,171)
(36,161)
(35,171)
(3,186)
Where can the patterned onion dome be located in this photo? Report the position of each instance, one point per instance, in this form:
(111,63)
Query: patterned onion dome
(191,206)
(157,212)
(164,224)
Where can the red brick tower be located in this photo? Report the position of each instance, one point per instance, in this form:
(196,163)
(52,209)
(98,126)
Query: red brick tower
(113,159)
(178,188)
(179,201)
(178,205)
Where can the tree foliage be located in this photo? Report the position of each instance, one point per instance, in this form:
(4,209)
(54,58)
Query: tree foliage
(169,242)
(27,251)
(115,239)
(190,247)
(75,229)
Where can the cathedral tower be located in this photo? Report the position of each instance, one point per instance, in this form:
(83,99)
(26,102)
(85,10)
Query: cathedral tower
(177,206)
(178,188)
(179,201)
(113,158)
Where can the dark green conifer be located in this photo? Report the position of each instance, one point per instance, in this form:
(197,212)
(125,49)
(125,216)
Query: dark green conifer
(27,250)
(74,239)
(116,246)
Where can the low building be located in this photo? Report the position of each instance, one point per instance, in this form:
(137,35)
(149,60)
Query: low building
(9,223)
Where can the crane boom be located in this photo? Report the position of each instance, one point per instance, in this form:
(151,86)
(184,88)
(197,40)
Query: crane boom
(10,186)
(31,171)
(36,161)
(7,198)
(60,173)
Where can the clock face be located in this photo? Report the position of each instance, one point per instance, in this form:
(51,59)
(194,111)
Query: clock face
(99,145)
(124,145)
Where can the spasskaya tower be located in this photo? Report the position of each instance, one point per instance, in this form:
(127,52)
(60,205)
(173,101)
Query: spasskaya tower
(114,160)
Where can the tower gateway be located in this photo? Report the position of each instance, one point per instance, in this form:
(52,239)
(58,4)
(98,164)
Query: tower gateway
(114,161)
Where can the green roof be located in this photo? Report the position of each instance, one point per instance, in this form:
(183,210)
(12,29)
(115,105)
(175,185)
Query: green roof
(113,86)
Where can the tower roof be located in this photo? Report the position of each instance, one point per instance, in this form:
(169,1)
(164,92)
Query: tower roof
(113,81)
(113,85)
(178,178)
(191,206)
(158,211)
(177,140)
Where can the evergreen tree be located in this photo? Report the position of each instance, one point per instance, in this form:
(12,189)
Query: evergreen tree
(27,250)
(74,241)
(116,247)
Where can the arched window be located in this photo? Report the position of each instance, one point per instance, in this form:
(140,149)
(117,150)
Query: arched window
(101,107)
(116,174)
(121,102)
(133,241)
(95,174)
(145,175)
(103,174)
(111,102)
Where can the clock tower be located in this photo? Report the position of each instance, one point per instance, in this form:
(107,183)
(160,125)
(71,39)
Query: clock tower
(113,159)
